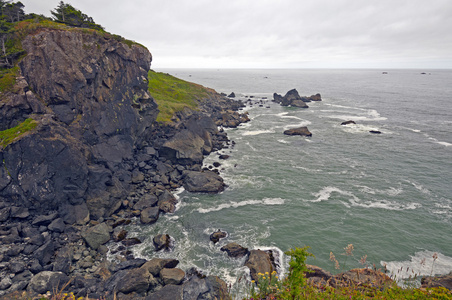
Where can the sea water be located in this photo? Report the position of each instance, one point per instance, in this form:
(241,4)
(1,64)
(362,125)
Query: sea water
(388,194)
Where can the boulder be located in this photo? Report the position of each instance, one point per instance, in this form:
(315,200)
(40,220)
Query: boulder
(167,202)
(136,280)
(97,235)
(172,276)
(119,234)
(57,225)
(235,250)
(155,265)
(375,131)
(316,97)
(185,148)
(131,241)
(303,131)
(47,281)
(437,281)
(348,122)
(149,215)
(203,182)
(162,241)
(217,235)
(146,201)
(210,287)
(259,261)
(168,292)
(231,95)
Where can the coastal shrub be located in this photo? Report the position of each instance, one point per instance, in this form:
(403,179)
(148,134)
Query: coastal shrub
(8,79)
(8,135)
(173,94)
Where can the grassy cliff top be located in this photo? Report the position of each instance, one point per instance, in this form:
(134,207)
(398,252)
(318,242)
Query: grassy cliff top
(173,94)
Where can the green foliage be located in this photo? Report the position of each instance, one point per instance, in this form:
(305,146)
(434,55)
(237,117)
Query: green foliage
(296,279)
(69,15)
(8,135)
(266,284)
(8,79)
(173,94)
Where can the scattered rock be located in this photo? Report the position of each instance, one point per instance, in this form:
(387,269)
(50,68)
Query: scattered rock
(235,250)
(303,131)
(216,236)
(162,241)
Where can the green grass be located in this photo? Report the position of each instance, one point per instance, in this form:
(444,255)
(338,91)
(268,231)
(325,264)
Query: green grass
(8,135)
(173,94)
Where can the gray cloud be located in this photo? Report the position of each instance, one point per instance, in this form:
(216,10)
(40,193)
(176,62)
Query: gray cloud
(284,33)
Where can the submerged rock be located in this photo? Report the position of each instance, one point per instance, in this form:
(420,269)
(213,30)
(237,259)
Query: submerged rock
(235,250)
(217,235)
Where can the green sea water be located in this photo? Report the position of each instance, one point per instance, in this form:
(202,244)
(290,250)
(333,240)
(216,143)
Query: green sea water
(388,194)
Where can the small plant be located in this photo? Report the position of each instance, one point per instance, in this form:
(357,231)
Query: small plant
(296,279)
(267,284)
(348,252)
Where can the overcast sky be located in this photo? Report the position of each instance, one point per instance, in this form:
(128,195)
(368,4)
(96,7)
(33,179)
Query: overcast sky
(278,33)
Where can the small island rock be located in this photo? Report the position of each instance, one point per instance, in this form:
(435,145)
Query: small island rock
(298,131)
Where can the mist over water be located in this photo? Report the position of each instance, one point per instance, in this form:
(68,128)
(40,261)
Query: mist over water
(387,194)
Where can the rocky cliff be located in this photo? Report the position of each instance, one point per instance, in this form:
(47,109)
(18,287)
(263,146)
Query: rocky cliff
(88,94)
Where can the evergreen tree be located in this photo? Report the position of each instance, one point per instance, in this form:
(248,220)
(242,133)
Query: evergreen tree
(69,15)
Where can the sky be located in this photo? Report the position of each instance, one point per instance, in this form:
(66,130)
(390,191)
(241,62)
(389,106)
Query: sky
(381,34)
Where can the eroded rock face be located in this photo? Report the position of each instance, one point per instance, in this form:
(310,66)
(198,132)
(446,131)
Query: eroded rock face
(88,94)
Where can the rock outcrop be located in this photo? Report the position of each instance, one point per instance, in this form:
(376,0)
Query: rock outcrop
(292,98)
(303,131)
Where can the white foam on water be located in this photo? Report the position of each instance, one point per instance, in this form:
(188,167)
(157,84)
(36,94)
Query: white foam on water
(419,187)
(256,132)
(291,117)
(301,124)
(283,142)
(358,128)
(420,264)
(265,201)
(327,193)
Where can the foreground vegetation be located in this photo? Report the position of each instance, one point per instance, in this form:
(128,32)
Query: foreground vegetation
(173,94)
(296,286)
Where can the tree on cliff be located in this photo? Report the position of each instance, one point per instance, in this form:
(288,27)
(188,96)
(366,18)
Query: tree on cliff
(69,15)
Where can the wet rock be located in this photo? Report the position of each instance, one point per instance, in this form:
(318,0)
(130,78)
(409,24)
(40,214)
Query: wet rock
(47,281)
(375,131)
(119,234)
(216,236)
(259,262)
(172,276)
(203,182)
(167,202)
(155,265)
(231,95)
(149,215)
(97,235)
(148,200)
(128,264)
(162,241)
(303,131)
(348,122)
(235,250)
(131,241)
(223,156)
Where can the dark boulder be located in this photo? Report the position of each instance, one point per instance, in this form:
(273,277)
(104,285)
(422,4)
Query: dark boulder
(235,250)
(437,281)
(223,156)
(97,235)
(162,241)
(277,98)
(136,280)
(231,95)
(210,287)
(348,122)
(149,215)
(168,292)
(316,97)
(57,225)
(303,131)
(203,182)
(155,265)
(131,241)
(375,131)
(217,235)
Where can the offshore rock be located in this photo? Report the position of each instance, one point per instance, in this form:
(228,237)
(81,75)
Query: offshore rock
(203,182)
(303,131)
(259,262)
(162,241)
(235,250)
(217,235)
(348,122)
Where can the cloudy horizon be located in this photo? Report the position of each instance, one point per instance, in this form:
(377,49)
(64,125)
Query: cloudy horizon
(383,34)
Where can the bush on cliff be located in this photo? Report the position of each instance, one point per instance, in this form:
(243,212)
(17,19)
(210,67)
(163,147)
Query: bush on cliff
(7,136)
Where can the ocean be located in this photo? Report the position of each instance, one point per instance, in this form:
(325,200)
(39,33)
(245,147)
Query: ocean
(388,194)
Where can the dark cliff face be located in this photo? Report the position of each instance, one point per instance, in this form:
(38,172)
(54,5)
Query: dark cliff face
(89,96)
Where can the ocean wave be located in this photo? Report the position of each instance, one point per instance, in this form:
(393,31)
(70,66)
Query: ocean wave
(420,264)
(256,132)
(326,194)
(283,142)
(265,201)
(301,124)
(358,128)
